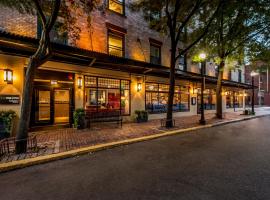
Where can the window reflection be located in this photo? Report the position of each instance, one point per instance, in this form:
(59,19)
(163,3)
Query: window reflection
(157,98)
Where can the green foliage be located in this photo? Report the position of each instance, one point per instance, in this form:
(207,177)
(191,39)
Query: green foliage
(237,24)
(184,21)
(77,115)
(142,116)
(7,117)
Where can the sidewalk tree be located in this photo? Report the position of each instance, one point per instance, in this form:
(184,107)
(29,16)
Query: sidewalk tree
(47,11)
(259,56)
(238,24)
(186,22)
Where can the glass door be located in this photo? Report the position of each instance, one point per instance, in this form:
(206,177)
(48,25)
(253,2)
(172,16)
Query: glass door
(61,106)
(43,106)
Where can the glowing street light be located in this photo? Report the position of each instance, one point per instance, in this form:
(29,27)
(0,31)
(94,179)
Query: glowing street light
(253,74)
(202,56)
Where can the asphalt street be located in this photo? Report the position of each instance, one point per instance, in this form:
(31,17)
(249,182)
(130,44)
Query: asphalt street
(229,162)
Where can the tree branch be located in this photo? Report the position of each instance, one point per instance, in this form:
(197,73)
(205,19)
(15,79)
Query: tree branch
(184,23)
(184,51)
(40,13)
(54,15)
(245,40)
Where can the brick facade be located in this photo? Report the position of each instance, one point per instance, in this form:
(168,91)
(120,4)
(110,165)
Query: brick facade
(261,81)
(14,22)
(137,44)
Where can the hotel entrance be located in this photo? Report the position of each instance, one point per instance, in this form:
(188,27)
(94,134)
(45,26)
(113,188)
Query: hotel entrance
(51,106)
(52,103)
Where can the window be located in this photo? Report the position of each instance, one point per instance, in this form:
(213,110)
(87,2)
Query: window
(239,75)
(117,6)
(57,35)
(154,17)
(182,63)
(106,94)
(209,99)
(157,98)
(115,44)
(155,54)
(234,100)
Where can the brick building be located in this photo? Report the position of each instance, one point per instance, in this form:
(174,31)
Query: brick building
(261,83)
(120,64)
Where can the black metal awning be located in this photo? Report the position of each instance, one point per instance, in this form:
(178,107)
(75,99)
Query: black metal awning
(12,44)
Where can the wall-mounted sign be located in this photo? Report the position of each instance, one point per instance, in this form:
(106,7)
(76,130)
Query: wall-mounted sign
(9,99)
(193,100)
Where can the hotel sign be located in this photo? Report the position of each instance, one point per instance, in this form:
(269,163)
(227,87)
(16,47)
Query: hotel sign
(9,99)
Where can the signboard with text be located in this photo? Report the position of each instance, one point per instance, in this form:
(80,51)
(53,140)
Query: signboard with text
(9,99)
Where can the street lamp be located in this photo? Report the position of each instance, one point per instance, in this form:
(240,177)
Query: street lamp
(253,74)
(202,57)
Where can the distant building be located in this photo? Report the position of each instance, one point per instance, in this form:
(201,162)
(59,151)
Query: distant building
(262,84)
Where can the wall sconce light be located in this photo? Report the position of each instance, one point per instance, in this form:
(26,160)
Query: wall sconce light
(195,91)
(8,76)
(139,87)
(79,82)
(54,82)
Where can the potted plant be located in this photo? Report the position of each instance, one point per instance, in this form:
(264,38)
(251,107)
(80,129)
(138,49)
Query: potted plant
(6,123)
(123,105)
(142,116)
(79,118)
(246,112)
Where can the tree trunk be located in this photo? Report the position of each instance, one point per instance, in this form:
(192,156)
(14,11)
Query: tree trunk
(219,90)
(35,61)
(21,137)
(41,56)
(169,120)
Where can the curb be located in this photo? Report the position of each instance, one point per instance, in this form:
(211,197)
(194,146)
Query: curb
(4,167)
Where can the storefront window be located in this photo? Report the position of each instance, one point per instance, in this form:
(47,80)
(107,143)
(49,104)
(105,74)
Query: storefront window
(157,98)
(209,99)
(105,95)
(234,100)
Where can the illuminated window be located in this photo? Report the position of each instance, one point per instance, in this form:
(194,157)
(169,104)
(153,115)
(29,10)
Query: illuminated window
(157,98)
(209,99)
(106,95)
(117,6)
(116,44)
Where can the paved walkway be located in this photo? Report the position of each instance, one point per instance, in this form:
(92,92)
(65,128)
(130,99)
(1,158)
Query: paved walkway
(55,141)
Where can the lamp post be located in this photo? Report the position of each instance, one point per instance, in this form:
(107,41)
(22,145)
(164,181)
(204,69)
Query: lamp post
(202,58)
(253,74)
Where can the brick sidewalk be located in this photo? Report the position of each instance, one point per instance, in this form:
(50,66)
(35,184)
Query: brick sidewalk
(55,141)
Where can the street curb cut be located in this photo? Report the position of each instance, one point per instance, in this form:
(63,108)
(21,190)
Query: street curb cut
(4,167)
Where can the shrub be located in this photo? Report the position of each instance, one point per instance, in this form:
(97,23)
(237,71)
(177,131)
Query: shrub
(142,116)
(6,119)
(78,115)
